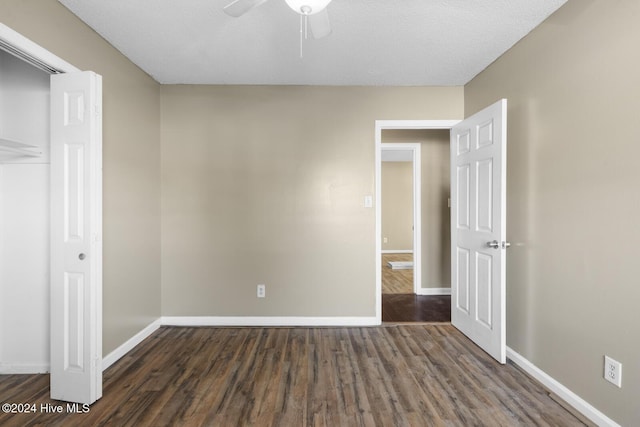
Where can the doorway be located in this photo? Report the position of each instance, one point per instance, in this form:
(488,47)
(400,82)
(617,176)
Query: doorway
(51,216)
(415,172)
(401,200)
(478,222)
(24,217)
(425,144)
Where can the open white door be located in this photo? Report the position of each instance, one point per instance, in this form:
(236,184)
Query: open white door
(478,228)
(76,234)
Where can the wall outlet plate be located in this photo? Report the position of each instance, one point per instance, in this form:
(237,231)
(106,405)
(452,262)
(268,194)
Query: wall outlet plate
(613,371)
(261,291)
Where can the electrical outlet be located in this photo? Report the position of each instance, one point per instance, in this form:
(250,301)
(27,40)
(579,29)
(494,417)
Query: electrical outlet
(613,371)
(262,291)
(385,240)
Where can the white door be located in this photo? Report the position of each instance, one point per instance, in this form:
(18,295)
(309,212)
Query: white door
(76,230)
(478,228)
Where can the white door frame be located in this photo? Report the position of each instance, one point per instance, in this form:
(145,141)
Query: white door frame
(23,48)
(416,233)
(380,126)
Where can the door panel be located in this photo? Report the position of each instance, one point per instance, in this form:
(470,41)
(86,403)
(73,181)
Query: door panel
(484,185)
(484,278)
(76,250)
(463,212)
(73,329)
(478,213)
(461,297)
(73,158)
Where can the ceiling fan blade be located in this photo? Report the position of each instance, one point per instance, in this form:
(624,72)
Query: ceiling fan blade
(320,24)
(238,8)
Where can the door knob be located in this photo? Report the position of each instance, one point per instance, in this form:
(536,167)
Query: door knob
(497,245)
(82,256)
(494,244)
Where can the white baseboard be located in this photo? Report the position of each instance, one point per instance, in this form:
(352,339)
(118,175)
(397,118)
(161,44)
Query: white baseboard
(563,392)
(129,345)
(267,321)
(434,291)
(397,251)
(24,368)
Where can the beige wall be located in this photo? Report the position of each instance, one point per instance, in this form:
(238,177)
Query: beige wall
(131,114)
(397,206)
(266,185)
(574,197)
(436,223)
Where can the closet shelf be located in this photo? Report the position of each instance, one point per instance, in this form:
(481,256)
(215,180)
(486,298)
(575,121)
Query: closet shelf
(19,148)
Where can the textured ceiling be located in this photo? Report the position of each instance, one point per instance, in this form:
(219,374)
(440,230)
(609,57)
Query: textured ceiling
(373,42)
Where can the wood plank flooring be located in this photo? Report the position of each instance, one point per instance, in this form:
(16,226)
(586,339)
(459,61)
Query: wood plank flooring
(416,308)
(401,375)
(396,281)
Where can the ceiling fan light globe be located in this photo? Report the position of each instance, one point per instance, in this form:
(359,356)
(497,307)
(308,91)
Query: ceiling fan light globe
(307,7)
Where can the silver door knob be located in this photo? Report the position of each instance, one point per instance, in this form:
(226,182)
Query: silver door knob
(82,256)
(505,245)
(494,244)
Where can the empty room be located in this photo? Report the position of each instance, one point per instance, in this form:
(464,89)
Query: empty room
(191,212)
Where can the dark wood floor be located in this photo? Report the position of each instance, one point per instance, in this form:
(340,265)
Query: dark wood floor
(401,375)
(400,304)
(416,308)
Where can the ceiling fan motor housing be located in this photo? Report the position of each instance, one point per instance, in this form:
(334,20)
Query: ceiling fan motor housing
(307,7)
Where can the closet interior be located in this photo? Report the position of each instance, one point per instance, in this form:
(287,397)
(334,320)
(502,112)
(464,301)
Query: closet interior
(24,216)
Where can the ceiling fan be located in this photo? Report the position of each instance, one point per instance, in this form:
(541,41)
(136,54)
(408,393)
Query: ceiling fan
(314,13)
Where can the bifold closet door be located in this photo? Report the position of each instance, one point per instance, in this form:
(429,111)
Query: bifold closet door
(76,234)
